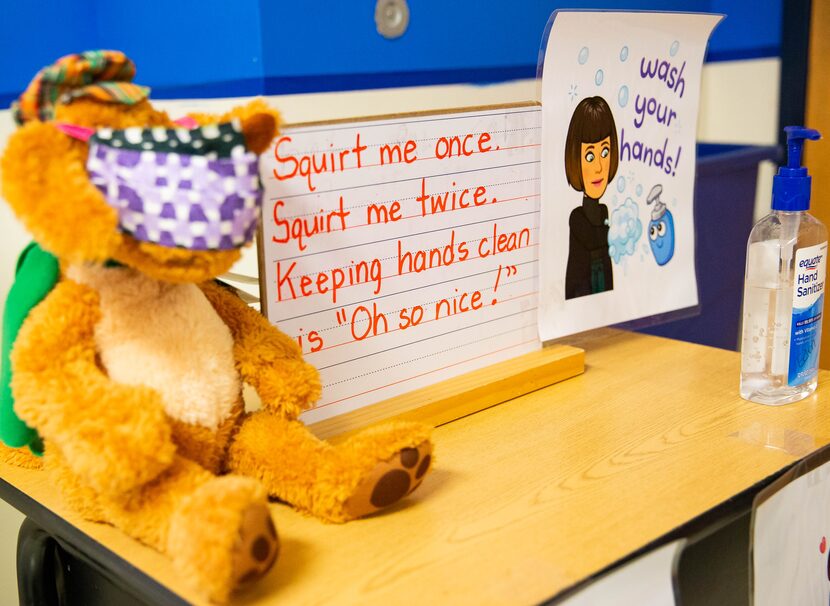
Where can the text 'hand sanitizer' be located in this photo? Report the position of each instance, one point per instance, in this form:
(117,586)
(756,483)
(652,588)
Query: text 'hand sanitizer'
(786,263)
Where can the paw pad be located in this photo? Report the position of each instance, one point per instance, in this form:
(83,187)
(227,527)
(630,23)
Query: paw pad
(391,487)
(257,545)
(390,481)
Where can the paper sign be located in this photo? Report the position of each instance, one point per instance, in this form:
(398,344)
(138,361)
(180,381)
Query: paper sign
(790,536)
(650,580)
(403,251)
(620,96)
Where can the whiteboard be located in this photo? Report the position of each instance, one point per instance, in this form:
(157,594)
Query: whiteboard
(650,580)
(791,536)
(402,251)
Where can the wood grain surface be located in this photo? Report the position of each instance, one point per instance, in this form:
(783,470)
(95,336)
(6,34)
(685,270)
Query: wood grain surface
(466,394)
(531,496)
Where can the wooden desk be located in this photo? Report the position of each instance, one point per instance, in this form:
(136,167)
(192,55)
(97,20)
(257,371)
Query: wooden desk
(532,496)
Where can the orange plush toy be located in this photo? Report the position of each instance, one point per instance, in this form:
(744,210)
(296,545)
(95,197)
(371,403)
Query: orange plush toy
(128,364)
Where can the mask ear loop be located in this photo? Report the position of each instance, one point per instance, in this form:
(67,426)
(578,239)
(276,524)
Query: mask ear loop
(81,133)
(187,122)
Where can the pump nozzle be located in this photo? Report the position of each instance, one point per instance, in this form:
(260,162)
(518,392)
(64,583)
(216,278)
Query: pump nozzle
(795,143)
(791,186)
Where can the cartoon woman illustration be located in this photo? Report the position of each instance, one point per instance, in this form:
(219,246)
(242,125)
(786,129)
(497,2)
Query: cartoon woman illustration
(591,159)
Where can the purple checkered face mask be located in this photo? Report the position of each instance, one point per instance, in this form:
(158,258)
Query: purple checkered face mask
(197,189)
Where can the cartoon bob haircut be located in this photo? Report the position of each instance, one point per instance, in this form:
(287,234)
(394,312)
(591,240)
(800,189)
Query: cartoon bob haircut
(591,122)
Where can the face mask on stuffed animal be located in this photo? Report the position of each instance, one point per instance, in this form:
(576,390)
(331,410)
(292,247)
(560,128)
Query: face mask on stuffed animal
(197,188)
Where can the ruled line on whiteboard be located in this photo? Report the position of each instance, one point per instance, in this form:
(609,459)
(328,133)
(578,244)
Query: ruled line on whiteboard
(416,215)
(489,353)
(405,273)
(411,120)
(425,339)
(344,169)
(497,149)
(401,274)
(422,304)
(314,273)
(373,145)
(366,204)
(400,292)
(379,183)
(373,336)
(404,236)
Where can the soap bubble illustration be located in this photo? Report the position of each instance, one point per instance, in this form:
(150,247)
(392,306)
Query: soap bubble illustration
(624,231)
(622,98)
(621,184)
(583,55)
(599,77)
(623,53)
(639,189)
(675,46)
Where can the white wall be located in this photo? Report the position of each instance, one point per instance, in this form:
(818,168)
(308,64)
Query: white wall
(739,104)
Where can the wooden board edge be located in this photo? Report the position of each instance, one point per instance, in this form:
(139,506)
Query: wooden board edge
(446,401)
(414,114)
(260,261)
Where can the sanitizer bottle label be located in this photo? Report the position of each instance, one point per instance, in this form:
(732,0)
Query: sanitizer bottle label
(808,301)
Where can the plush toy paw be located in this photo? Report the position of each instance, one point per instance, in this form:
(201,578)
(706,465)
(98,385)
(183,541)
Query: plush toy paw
(222,536)
(257,546)
(338,482)
(390,480)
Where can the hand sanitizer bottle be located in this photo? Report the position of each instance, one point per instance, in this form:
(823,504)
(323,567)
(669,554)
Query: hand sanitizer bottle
(786,262)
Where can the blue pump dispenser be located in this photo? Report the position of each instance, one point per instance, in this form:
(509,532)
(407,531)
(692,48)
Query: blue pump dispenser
(791,186)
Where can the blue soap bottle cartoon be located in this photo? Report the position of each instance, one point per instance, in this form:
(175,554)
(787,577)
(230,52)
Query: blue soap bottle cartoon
(660,228)
(786,264)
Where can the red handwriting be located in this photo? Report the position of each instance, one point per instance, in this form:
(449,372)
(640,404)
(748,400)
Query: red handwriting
(447,147)
(422,260)
(502,242)
(314,339)
(310,164)
(392,154)
(451,200)
(380,213)
(459,304)
(328,281)
(377,323)
(373,319)
(299,228)
(366,317)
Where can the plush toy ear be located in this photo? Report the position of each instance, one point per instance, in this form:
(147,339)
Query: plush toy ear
(260,123)
(259,131)
(45,181)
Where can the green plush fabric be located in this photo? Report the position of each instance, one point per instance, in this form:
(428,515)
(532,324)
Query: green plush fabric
(36,275)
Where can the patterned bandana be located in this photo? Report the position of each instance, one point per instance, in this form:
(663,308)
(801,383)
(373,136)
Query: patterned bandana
(197,189)
(104,75)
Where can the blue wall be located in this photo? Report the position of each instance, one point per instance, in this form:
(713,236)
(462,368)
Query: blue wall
(215,48)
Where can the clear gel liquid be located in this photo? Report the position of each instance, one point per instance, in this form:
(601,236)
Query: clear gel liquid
(766,343)
(768,306)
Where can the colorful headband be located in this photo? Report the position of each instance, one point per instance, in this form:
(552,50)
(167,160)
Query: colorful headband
(103,75)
